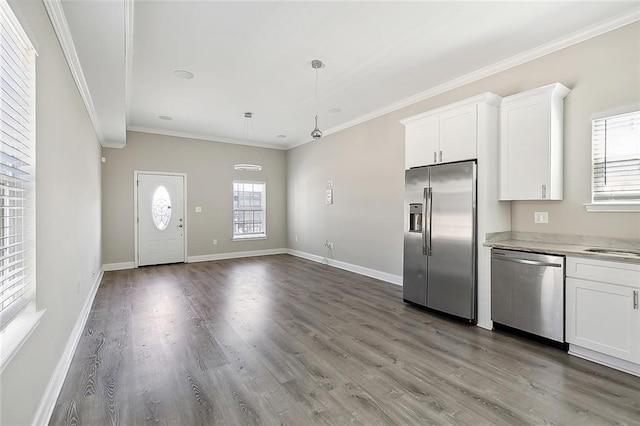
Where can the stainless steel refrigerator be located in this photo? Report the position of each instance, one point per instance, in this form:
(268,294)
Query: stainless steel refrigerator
(440,238)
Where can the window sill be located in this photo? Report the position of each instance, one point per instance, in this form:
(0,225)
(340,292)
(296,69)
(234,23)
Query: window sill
(16,334)
(250,238)
(613,207)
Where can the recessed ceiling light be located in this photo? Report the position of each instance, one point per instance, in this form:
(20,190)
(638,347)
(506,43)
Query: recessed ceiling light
(335,110)
(183,74)
(281,136)
(165,117)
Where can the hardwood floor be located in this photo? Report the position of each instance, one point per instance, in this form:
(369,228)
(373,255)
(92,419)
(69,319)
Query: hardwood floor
(281,340)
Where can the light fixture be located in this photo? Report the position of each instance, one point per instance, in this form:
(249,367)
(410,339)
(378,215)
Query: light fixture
(315,64)
(247,167)
(184,74)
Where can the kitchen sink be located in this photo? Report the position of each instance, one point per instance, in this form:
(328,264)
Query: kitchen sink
(614,251)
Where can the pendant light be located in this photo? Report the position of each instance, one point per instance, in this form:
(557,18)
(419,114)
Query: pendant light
(247,167)
(315,64)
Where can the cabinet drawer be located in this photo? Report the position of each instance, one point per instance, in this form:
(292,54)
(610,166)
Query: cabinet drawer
(620,273)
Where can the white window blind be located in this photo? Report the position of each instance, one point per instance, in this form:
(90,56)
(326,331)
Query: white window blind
(17,167)
(249,212)
(616,158)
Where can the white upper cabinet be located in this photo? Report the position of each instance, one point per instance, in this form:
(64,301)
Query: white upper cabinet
(531,126)
(425,141)
(458,134)
(444,135)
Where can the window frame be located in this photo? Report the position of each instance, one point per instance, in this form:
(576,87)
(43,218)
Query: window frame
(614,205)
(263,209)
(21,323)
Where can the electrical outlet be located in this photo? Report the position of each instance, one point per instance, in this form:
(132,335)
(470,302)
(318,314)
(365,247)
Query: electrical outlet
(215,242)
(541,217)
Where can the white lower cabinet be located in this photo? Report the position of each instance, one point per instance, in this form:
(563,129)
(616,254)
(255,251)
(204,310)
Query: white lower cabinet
(602,309)
(602,318)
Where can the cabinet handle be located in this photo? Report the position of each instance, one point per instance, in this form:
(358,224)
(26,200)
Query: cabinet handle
(435,159)
(441,156)
(635,299)
(544,191)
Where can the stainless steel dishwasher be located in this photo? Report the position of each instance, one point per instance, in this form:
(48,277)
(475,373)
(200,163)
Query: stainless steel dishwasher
(527,292)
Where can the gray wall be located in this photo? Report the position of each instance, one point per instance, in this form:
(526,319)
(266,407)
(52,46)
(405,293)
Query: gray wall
(67,219)
(366,162)
(209,169)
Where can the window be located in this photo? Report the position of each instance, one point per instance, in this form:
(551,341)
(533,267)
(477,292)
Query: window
(249,210)
(161,208)
(616,159)
(17,168)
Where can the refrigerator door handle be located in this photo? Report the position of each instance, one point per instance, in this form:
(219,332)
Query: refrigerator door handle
(426,217)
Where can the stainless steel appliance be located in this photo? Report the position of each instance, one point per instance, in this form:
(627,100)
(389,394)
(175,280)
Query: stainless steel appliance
(440,238)
(527,292)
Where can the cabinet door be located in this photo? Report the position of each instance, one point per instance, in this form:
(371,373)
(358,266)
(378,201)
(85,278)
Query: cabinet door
(458,134)
(422,142)
(602,317)
(524,149)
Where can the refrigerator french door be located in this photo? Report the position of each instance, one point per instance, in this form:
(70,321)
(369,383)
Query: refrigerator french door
(439,269)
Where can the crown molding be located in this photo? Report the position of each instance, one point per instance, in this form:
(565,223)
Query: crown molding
(519,59)
(486,98)
(204,137)
(61,28)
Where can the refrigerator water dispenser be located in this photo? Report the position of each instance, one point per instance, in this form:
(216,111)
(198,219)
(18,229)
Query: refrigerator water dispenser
(415,217)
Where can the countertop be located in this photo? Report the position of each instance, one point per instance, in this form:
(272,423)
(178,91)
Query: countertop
(566,245)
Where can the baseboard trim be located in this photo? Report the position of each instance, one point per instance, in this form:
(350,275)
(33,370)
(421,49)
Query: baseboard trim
(235,255)
(373,273)
(609,361)
(118,266)
(51,393)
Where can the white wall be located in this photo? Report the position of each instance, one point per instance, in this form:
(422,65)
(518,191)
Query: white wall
(67,219)
(366,162)
(366,165)
(210,173)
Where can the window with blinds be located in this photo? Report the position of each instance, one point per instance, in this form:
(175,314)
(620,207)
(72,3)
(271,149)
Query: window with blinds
(616,158)
(17,167)
(249,211)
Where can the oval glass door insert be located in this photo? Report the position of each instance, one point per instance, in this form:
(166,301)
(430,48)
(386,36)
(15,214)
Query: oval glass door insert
(161,208)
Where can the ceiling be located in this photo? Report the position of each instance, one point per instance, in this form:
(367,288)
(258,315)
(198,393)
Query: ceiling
(256,57)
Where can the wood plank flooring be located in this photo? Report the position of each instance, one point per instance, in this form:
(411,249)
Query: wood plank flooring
(280,340)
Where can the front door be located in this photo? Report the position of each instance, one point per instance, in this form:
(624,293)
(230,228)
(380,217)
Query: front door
(161,224)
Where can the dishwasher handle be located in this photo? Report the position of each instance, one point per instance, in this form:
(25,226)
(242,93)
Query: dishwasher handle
(499,256)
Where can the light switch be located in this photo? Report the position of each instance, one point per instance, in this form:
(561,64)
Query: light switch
(198,209)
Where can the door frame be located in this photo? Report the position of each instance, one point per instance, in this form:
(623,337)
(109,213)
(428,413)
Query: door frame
(136,230)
